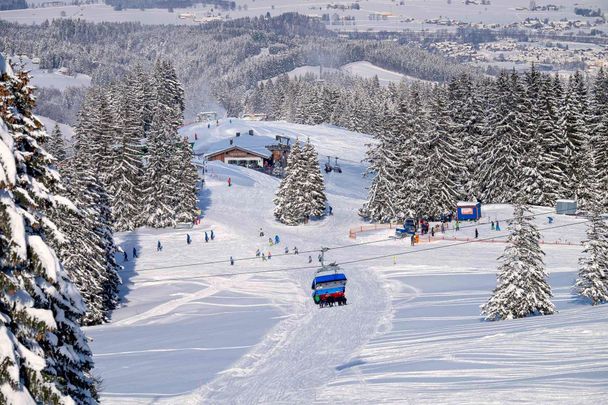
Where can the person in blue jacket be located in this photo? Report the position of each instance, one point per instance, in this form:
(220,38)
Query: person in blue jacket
(188,239)
(206,237)
(276,239)
(212,235)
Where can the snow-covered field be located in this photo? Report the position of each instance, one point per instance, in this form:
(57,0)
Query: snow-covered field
(362,69)
(51,78)
(410,14)
(194,332)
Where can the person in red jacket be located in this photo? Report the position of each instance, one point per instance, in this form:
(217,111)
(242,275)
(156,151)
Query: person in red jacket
(229,182)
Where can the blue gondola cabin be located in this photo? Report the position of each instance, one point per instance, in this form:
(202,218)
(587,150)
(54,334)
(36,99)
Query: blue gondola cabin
(468,211)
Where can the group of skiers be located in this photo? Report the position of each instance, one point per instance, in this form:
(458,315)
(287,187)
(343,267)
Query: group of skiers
(126,256)
(159,246)
(271,242)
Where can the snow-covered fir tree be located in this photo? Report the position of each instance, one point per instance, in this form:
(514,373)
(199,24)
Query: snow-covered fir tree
(314,187)
(301,194)
(522,288)
(502,147)
(164,166)
(599,132)
(90,255)
(55,144)
(592,281)
(187,177)
(286,199)
(45,355)
(383,203)
(443,170)
(127,170)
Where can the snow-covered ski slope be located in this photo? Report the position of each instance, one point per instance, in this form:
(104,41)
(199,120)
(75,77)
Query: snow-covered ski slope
(410,334)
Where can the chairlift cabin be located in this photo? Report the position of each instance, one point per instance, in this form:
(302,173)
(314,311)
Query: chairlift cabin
(337,167)
(329,286)
(328,166)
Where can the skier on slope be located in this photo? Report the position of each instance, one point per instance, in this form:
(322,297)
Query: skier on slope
(286,250)
(159,247)
(276,239)
(126,257)
(270,242)
(134,252)
(261,233)
(295,250)
(206,237)
(257,253)
(229,182)
(188,239)
(212,235)
(476,233)
(231,261)
(309,259)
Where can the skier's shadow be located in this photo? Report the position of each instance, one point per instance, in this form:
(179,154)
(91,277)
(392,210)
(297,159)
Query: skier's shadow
(128,267)
(204,201)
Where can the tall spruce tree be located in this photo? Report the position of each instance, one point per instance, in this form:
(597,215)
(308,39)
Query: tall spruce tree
(187,176)
(599,132)
(300,195)
(443,172)
(382,203)
(90,258)
(55,144)
(162,168)
(522,288)
(127,170)
(314,187)
(45,356)
(592,281)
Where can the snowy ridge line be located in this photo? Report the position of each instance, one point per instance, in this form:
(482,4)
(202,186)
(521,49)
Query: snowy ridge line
(316,250)
(285,269)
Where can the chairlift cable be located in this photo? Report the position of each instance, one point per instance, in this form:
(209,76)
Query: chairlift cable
(432,248)
(338,247)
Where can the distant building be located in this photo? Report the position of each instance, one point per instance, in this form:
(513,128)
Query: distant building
(565,207)
(254,116)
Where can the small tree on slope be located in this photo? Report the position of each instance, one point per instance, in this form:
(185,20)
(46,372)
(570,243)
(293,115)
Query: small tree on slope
(522,288)
(287,200)
(55,145)
(315,199)
(592,281)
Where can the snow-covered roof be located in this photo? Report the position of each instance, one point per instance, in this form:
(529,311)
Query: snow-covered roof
(566,201)
(466,203)
(254,144)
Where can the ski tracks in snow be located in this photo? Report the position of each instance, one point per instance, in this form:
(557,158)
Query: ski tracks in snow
(305,351)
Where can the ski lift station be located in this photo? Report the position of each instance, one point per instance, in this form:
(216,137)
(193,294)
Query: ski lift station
(206,116)
(565,207)
(250,150)
(468,211)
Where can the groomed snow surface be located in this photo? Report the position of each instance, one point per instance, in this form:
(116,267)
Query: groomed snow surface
(194,333)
